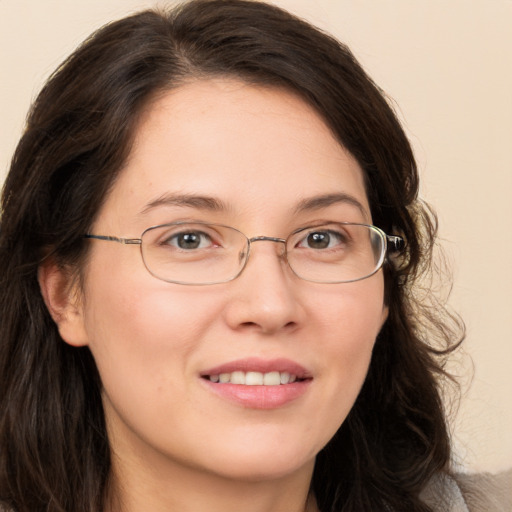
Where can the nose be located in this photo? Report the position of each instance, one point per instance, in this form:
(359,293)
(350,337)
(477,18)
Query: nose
(264,297)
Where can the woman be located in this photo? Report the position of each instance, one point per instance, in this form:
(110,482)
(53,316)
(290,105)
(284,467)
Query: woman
(262,348)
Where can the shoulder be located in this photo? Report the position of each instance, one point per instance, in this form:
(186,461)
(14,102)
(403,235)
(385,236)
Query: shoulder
(482,492)
(487,492)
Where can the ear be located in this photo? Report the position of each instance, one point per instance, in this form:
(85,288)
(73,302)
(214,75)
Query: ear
(61,295)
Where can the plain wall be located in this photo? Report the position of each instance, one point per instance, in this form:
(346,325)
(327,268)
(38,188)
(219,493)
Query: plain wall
(448,66)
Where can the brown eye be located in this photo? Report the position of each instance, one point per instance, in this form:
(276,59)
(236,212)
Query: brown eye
(189,240)
(322,240)
(318,240)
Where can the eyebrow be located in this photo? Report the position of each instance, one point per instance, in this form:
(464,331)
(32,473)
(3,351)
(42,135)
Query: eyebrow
(213,204)
(187,200)
(326,200)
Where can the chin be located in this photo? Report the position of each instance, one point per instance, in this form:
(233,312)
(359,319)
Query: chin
(263,461)
(266,470)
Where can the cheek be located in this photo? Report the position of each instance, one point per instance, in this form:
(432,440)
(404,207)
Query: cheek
(142,332)
(353,314)
(146,345)
(145,325)
(353,320)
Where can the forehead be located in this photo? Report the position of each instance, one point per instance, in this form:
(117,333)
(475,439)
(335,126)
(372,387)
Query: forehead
(252,147)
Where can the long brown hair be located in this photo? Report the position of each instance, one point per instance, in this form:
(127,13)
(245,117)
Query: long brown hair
(54,451)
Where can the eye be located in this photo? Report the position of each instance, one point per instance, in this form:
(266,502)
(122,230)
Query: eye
(188,240)
(326,239)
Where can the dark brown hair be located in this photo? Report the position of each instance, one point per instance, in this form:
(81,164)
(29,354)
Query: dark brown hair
(54,451)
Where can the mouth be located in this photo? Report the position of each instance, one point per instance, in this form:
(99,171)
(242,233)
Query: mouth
(254,378)
(258,384)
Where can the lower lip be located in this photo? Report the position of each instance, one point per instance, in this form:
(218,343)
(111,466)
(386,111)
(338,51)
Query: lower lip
(260,397)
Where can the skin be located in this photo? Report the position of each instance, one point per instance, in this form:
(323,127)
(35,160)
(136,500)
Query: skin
(177,445)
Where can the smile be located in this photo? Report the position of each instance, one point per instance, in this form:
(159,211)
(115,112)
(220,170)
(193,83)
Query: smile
(256,383)
(253,378)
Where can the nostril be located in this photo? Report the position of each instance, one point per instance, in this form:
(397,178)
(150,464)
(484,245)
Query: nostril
(248,324)
(265,328)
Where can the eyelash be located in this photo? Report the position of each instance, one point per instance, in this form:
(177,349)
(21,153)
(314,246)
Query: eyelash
(168,240)
(331,238)
(341,238)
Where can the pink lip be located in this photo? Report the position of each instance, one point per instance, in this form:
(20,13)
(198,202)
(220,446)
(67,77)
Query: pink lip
(260,397)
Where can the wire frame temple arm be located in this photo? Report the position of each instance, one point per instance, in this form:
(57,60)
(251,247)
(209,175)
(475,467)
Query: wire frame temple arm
(135,241)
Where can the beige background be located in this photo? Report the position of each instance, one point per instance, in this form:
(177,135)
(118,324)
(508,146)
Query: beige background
(448,66)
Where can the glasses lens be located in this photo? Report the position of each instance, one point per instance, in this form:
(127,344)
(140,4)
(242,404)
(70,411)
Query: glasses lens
(194,253)
(336,253)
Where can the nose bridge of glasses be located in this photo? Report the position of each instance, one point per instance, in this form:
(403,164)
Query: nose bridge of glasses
(267,239)
(273,239)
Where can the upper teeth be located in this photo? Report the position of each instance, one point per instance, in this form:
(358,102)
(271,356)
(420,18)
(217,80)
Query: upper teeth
(254,378)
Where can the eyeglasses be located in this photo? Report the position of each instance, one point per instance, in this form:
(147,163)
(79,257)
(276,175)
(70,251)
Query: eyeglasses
(197,253)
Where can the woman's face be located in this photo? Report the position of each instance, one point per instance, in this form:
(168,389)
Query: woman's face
(262,161)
